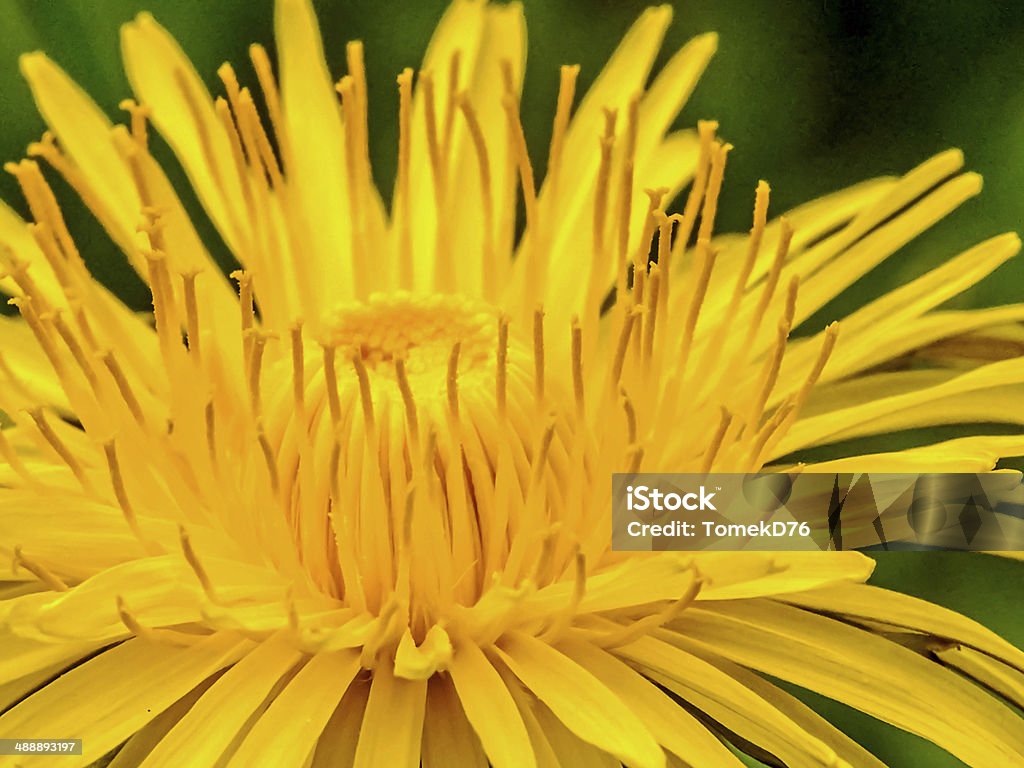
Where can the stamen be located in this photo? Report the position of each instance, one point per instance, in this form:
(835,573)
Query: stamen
(331,382)
(579,588)
(357,71)
(827,345)
(354,168)
(706,255)
(604,172)
(453,380)
(232,131)
(365,392)
(40,571)
(518,147)
(651,314)
(13,460)
(541,455)
(715,178)
(268,85)
(781,252)
(775,426)
(124,387)
(538,353)
(453,93)
(407,399)
(769,375)
(259,343)
(270,460)
(655,198)
(298,372)
(48,244)
(563,111)
(433,141)
(630,411)
(490,276)
(197,567)
(711,453)
(39,417)
(247,311)
(635,457)
(577,365)
(139,114)
(501,369)
(191,313)
(120,493)
(26,307)
(73,345)
(146,633)
(623,345)
(626,188)
(210,417)
(635,630)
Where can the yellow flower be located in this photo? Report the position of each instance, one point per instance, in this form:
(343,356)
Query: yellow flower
(357,512)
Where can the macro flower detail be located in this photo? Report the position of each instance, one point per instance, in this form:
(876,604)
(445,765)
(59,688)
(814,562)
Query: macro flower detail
(350,504)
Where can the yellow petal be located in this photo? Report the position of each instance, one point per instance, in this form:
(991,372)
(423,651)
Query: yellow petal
(286,734)
(727,577)
(222,712)
(894,311)
(448,738)
(863,670)
(84,133)
(392,730)
(502,38)
(965,454)
(490,709)
(860,601)
(164,79)
(984,391)
(729,702)
(1008,683)
(141,744)
(805,717)
(580,701)
(340,739)
(674,728)
(103,703)
(316,141)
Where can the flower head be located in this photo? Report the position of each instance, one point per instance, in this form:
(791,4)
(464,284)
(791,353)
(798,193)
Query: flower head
(351,506)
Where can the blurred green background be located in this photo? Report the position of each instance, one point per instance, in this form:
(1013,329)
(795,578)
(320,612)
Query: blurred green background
(815,95)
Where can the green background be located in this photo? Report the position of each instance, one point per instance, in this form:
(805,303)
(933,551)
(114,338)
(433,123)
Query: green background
(814,95)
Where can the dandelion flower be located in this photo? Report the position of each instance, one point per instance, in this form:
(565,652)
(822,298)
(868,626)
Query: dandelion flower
(351,506)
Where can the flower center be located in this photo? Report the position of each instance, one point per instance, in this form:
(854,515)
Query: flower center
(422,333)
